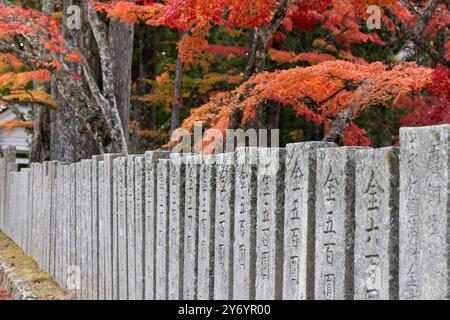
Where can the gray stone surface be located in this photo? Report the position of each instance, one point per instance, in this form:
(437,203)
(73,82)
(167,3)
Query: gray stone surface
(36,169)
(139,198)
(176,226)
(87,229)
(95,227)
(335,223)
(245,224)
(46,215)
(131,228)
(122,246)
(58,223)
(70,175)
(191,215)
(224,227)
(109,194)
(162,224)
(25,187)
(66,222)
(52,213)
(376,216)
(151,207)
(424,212)
(270,220)
(206,222)
(78,224)
(114,232)
(101,231)
(299,225)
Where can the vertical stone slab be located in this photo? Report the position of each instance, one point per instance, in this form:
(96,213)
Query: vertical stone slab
(37,203)
(335,223)
(150,213)
(224,227)
(10,223)
(109,211)
(101,231)
(25,217)
(299,220)
(191,215)
(9,157)
(122,247)
(95,227)
(270,220)
(245,224)
(376,216)
(52,213)
(79,224)
(64,227)
(70,178)
(50,180)
(424,213)
(87,229)
(30,213)
(139,208)
(131,224)
(162,228)
(58,223)
(115,233)
(206,223)
(70,268)
(46,203)
(176,225)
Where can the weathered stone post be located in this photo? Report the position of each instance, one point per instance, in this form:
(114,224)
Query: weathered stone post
(206,221)
(131,227)
(52,212)
(69,173)
(270,220)
(9,157)
(376,234)
(335,223)
(95,227)
(139,206)
(191,216)
(245,224)
(122,246)
(224,227)
(79,194)
(108,217)
(424,212)
(300,217)
(162,230)
(176,225)
(58,221)
(150,223)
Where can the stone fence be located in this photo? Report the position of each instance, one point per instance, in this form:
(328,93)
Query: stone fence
(311,221)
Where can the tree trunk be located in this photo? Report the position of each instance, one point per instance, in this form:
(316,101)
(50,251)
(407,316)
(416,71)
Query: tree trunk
(121,46)
(40,144)
(258,54)
(176,108)
(71,140)
(256,63)
(145,113)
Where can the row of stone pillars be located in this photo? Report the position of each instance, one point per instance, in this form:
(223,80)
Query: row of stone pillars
(311,221)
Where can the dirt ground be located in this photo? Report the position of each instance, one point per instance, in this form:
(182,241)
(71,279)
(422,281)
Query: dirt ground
(37,281)
(4,295)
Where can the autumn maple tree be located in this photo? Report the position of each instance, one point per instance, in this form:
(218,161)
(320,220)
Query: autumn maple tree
(232,64)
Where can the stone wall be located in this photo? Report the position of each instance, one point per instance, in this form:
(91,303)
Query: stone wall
(311,221)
